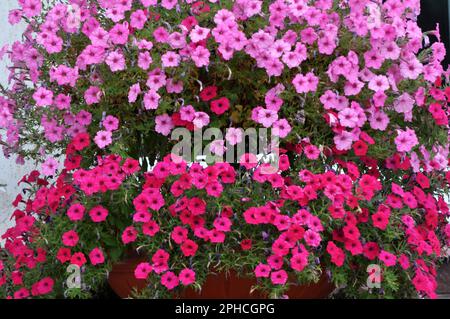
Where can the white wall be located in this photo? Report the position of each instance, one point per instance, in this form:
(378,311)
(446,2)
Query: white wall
(10,172)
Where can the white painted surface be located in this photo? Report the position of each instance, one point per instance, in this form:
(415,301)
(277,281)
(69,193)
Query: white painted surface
(10,172)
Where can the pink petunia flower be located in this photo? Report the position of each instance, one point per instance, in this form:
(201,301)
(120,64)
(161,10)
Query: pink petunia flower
(92,95)
(43,97)
(170,59)
(142,270)
(169,279)
(103,138)
(110,123)
(163,124)
(116,61)
(267,117)
(406,140)
(198,34)
(134,92)
(187,113)
(76,212)
(186,276)
(379,121)
(98,214)
(279,277)
(234,135)
(129,235)
(262,271)
(96,256)
(201,119)
(49,167)
(305,83)
(70,238)
(200,56)
(119,33)
(151,100)
(281,128)
(387,258)
(343,141)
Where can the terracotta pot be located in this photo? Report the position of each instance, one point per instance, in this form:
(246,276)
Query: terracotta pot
(217,286)
(121,278)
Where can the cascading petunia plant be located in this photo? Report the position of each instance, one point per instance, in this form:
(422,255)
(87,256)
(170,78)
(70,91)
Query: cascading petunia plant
(353,90)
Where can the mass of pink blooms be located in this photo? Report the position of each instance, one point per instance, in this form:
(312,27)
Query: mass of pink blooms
(364,68)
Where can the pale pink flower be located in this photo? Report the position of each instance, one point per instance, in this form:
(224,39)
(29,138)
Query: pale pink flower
(234,135)
(177,40)
(200,56)
(411,69)
(173,86)
(169,4)
(201,119)
(144,60)
(103,139)
(170,59)
(138,19)
(163,124)
(187,113)
(116,61)
(281,128)
(404,103)
(43,97)
(119,33)
(343,140)
(305,83)
(151,100)
(110,123)
(348,117)
(49,167)
(92,95)
(267,117)
(198,34)
(379,120)
(135,90)
(379,83)
(406,140)
(217,147)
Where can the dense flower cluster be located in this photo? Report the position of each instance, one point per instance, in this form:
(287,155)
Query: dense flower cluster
(360,107)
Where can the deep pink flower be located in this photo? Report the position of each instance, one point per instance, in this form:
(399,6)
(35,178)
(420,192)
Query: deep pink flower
(189,248)
(70,238)
(129,235)
(169,280)
(187,276)
(76,212)
(387,258)
(279,277)
(262,271)
(78,259)
(96,256)
(98,214)
(142,270)
(220,106)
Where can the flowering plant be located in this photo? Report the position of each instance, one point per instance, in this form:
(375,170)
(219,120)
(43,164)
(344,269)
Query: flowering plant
(98,89)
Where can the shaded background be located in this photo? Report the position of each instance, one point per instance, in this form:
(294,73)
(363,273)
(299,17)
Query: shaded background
(436,11)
